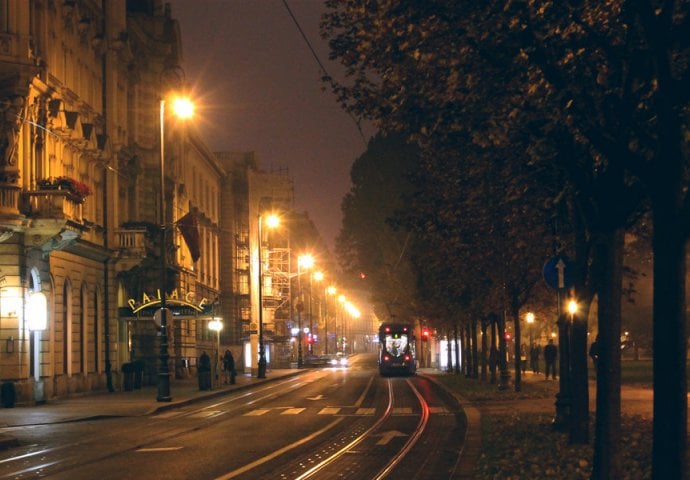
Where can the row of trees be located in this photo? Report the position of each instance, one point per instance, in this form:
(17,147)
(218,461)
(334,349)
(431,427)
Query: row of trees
(537,126)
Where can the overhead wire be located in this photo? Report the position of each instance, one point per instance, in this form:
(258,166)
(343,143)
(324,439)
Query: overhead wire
(321,65)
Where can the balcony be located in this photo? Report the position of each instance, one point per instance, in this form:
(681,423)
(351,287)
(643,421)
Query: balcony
(132,242)
(54,218)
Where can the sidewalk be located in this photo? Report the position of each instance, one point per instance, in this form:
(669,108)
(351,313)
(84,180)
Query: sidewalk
(134,403)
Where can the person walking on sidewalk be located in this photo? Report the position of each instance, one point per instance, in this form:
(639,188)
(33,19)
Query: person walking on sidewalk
(229,367)
(534,354)
(550,354)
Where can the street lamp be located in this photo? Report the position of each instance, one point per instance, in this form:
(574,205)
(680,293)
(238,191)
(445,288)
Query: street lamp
(272,221)
(330,291)
(530,321)
(216,325)
(182,108)
(303,261)
(341,300)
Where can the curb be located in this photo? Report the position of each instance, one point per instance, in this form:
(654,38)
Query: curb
(472,445)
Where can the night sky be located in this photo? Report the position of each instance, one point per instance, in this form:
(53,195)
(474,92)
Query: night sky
(258,88)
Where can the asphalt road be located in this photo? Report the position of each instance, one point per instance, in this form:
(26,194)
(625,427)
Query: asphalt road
(326,423)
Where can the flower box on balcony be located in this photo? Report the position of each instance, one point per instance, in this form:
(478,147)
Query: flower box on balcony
(79,190)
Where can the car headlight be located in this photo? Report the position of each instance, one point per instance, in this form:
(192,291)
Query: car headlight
(334,362)
(343,362)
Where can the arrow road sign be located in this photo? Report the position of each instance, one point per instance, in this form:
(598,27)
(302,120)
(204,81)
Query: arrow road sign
(557,272)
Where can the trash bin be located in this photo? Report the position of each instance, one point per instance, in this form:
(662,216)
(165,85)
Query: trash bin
(8,393)
(128,376)
(204,379)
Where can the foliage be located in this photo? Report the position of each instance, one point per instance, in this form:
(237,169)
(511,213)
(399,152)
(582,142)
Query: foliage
(75,187)
(369,241)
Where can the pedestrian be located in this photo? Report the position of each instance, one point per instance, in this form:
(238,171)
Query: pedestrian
(550,353)
(204,371)
(594,352)
(534,357)
(229,367)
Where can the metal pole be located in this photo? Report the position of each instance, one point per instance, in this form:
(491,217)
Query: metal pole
(311,325)
(299,317)
(163,372)
(262,354)
(325,316)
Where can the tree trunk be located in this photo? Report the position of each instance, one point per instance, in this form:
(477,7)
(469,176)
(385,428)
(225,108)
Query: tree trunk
(475,355)
(670,354)
(607,442)
(518,349)
(457,349)
(485,348)
(502,354)
(493,355)
(449,352)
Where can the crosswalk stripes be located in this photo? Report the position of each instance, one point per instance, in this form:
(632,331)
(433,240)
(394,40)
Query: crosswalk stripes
(361,411)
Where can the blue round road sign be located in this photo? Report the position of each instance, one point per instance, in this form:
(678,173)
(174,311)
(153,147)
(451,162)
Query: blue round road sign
(557,272)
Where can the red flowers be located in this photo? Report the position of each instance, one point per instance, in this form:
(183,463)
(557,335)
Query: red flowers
(75,187)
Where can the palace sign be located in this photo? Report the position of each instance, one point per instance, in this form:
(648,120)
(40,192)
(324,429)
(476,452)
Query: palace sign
(175,298)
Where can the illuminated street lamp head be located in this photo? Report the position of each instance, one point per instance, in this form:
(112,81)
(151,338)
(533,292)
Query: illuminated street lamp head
(272,221)
(318,276)
(182,107)
(342,299)
(572,307)
(529,317)
(330,290)
(216,325)
(305,261)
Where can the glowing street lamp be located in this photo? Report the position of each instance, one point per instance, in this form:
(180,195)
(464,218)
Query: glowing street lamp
(182,108)
(272,221)
(530,321)
(303,262)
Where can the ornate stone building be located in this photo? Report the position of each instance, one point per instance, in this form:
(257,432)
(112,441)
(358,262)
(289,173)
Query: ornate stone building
(81,85)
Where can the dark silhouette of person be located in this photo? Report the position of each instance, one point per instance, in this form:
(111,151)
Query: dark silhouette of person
(550,354)
(534,353)
(229,367)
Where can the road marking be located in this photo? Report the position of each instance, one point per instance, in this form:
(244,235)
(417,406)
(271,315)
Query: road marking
(388,436)
(293,411)
(329,411)
(318,397)
(159,449)
(257,412)
(207,414)
(438,410)
(365,411)
(402,411)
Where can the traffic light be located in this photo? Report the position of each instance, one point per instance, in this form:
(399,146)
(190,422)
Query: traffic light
(425,334)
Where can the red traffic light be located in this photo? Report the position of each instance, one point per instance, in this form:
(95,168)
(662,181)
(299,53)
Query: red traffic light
(425,333)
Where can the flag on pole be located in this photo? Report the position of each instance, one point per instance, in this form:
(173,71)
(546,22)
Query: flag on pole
(189,229)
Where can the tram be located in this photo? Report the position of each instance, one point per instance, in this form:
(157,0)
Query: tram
(397,349)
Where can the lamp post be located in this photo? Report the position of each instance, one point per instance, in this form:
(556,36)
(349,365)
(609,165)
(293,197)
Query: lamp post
(563,398)
(530,321)
(216,325)
(306,261)
(318,277)
(182,108)
(330,291)
(341,300)
(271,222)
